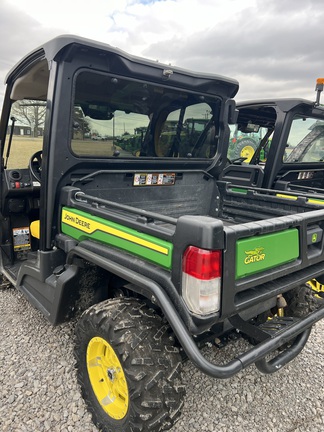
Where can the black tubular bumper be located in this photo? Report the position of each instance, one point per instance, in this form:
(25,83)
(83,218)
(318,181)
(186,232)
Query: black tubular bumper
(299,331)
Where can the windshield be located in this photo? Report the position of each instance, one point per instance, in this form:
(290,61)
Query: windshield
(306,141)
(113,116)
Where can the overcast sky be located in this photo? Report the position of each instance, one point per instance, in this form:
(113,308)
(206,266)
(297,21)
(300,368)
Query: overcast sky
(272,47)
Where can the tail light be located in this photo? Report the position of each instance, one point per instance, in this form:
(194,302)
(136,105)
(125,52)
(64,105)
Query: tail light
(201,279)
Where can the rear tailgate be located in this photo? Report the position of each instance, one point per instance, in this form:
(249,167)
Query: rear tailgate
(271,256)
(264,252)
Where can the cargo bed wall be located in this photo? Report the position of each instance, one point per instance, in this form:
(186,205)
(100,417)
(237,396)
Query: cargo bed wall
(242,204)
(306,180)
(191,193)
(168,193)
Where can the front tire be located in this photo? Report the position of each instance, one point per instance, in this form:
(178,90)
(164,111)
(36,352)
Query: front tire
(128,367)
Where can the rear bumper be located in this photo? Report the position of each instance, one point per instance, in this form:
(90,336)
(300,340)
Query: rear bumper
(299,329)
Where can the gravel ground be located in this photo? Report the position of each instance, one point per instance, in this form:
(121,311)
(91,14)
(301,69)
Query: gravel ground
(39,392)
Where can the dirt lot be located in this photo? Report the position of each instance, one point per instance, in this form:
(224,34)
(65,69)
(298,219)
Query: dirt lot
(39,391)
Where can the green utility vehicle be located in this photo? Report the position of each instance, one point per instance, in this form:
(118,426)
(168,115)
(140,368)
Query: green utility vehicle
(295,130)
(294,162)
(153,253)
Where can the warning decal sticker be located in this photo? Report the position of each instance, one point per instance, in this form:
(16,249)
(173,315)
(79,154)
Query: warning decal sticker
(154,179)
(21,238)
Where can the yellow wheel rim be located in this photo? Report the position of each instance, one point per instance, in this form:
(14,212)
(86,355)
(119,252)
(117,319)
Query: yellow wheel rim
(247,152)
(316,286)
(107,378)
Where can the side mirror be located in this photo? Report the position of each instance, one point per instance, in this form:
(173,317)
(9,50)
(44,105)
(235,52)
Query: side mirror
(232,111)
(250,127)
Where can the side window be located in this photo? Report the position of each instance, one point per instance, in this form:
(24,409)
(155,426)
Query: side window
(189,131)
(306,141)
(26,129)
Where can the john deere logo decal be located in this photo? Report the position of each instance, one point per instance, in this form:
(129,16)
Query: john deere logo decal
(254,255)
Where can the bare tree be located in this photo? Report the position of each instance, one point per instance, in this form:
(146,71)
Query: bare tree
(30,113)
(80,123)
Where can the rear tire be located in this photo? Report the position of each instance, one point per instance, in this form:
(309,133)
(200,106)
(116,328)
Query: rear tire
(244,148)
(128,367)
(301,301)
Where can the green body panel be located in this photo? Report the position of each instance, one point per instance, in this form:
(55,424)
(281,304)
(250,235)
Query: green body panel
(260,253)
(81,226)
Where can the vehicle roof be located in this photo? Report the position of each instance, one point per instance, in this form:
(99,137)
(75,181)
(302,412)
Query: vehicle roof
(285,104)
(64,46)
(263,111)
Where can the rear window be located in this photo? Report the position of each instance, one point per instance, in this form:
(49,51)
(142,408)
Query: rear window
(114,116)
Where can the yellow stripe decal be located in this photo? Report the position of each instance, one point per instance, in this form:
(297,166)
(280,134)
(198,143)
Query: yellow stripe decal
(316,201)
(89,226)
(287,196)
(309,200)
